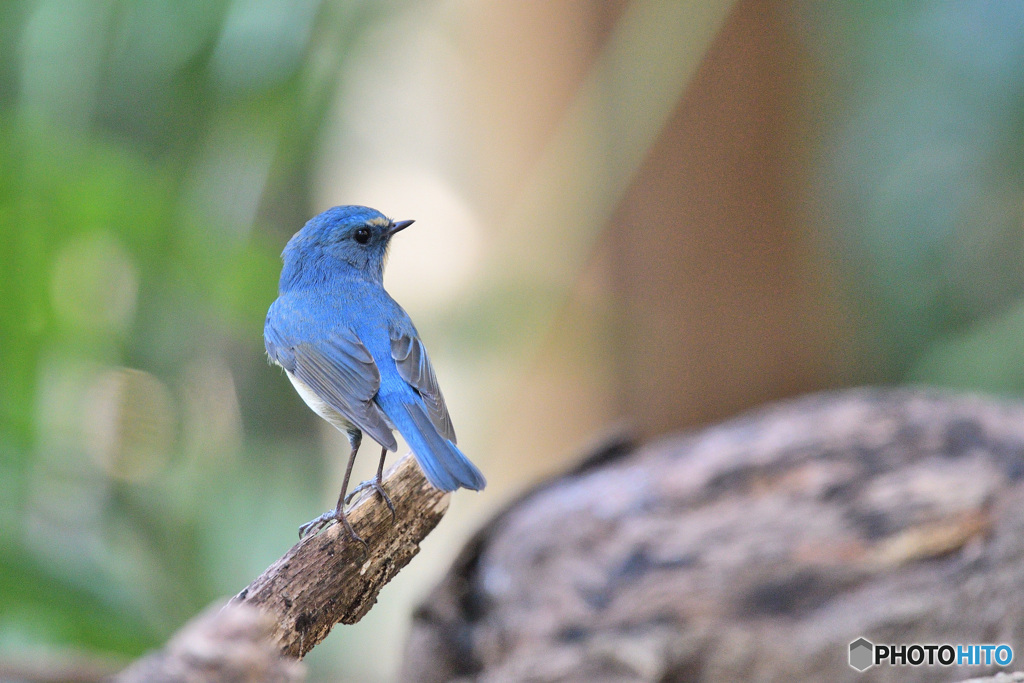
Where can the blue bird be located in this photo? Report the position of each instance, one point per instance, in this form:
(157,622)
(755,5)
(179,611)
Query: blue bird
(354,355)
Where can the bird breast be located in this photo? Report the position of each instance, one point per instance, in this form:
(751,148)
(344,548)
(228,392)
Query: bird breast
(319,406)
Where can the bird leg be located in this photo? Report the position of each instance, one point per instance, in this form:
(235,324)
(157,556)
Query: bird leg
(338,513)
(377,484)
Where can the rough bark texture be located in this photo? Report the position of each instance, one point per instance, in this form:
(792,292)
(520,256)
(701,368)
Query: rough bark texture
(1001,677)
(327,579)
(323,580)
(230,643)
(755,550)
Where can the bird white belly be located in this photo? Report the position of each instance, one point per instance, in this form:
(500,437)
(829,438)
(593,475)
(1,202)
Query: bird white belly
(318,405)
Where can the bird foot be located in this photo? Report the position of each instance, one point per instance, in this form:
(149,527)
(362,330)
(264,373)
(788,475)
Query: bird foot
(315,526)
(378,486)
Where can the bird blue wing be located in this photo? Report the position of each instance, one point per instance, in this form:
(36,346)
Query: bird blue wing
(340,370)
(414,367)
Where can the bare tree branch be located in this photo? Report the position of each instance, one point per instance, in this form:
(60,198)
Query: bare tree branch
(323,580)
(328,578)
(224,643)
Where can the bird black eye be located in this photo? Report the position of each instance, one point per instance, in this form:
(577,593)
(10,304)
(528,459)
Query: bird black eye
(362,235)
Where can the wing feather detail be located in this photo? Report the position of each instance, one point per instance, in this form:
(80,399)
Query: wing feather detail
(415,368)
(341,371)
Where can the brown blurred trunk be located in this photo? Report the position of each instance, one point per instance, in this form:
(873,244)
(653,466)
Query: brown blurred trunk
(708,277)
(722,296)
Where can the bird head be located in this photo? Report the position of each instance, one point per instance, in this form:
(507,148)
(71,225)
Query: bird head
(345,237)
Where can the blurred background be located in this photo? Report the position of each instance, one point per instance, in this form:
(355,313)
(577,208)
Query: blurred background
(634,214)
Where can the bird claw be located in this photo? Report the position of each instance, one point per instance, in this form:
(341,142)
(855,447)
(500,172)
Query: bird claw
(378,486)
(315,526)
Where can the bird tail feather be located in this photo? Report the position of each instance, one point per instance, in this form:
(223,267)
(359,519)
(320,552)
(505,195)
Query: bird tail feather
(441,461)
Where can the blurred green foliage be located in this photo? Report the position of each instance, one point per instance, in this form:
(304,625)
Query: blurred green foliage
(922,168)
(154,155)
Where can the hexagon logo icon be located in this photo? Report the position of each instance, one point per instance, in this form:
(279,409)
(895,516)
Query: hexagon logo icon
(862,653)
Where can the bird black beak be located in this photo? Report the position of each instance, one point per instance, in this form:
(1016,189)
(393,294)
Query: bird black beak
(399,226)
